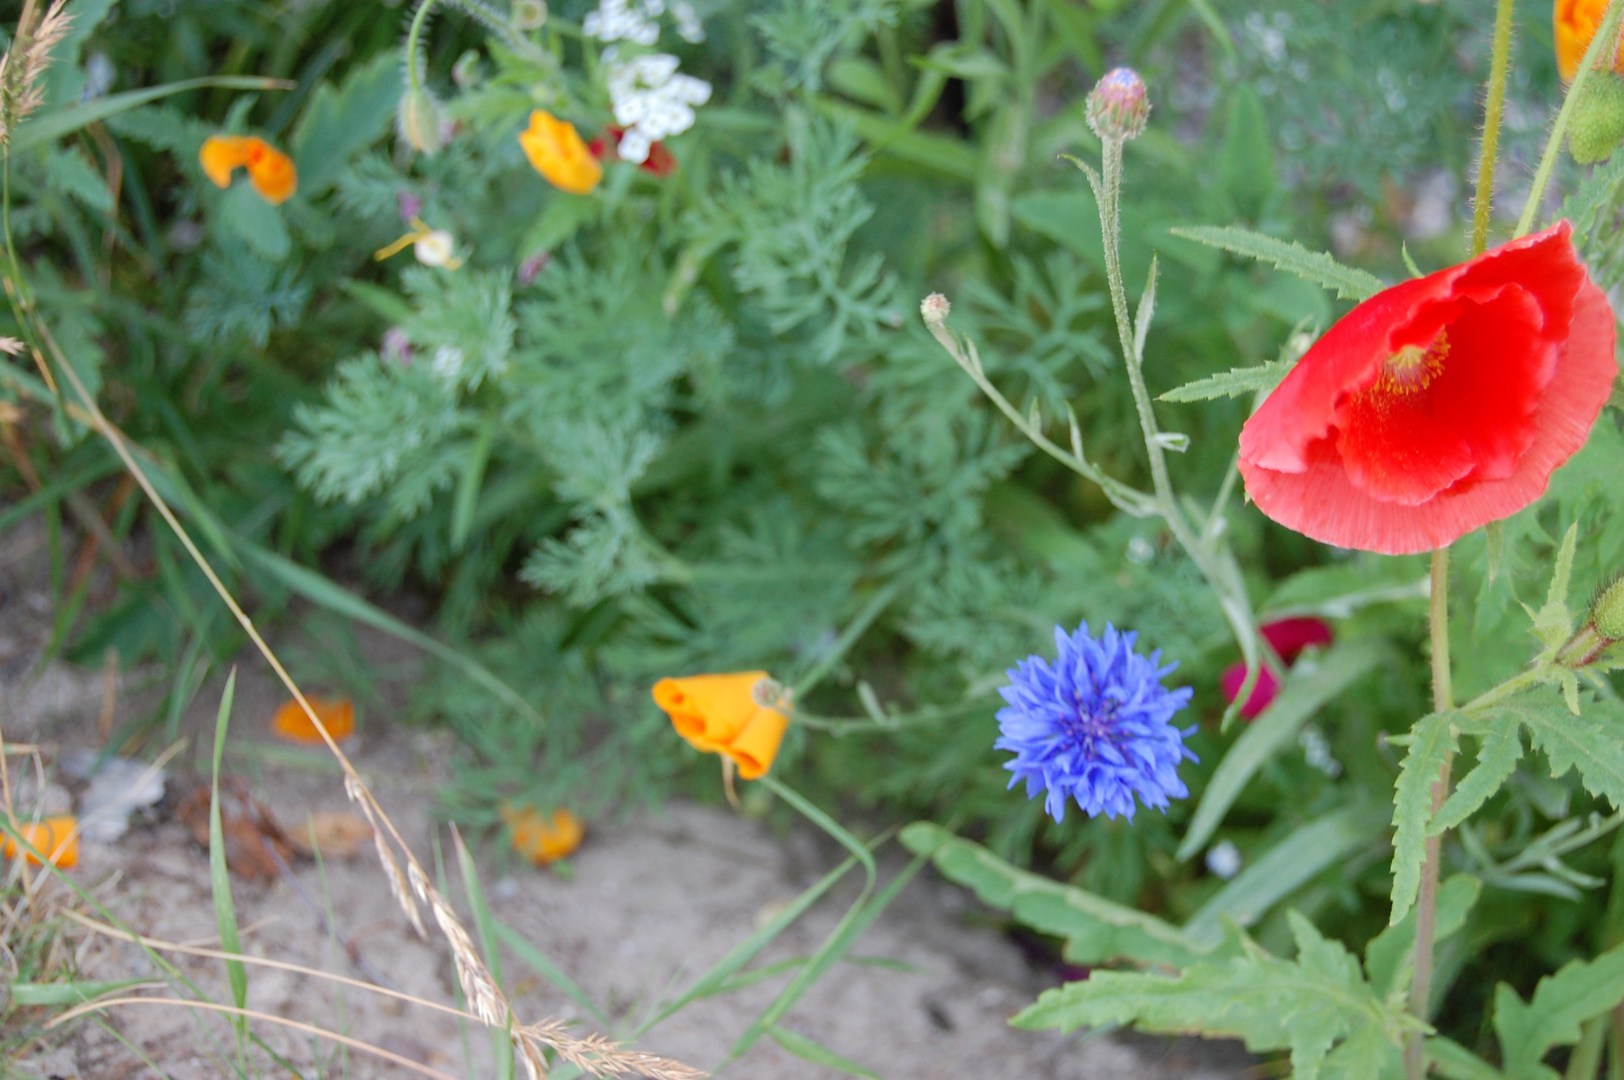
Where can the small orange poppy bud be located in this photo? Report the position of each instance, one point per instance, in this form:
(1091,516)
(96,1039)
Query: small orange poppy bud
(1576,23)
(557,152)
(56,837)
(720,714)
(270,171)
(337,715)
(542,840)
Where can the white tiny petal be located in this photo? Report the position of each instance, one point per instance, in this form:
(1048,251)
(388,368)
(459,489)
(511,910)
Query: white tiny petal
(631,110)
(435,249)
(634,146)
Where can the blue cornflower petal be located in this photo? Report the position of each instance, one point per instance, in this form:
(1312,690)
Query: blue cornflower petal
(1095,726)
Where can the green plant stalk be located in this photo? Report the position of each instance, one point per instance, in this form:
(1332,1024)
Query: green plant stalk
(1484,200)
(1227,587)
(1606,37)
(1426,904)
(414,48)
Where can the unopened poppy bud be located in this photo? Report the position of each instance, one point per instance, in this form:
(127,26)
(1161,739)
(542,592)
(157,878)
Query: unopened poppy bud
(1607,612)
(419,121)
(1117,107)
(467,71)
(935,309)
(1597,126)
(527,14)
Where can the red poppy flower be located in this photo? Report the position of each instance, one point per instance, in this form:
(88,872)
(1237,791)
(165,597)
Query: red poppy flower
(1288,637)
(660,161)
(1439,405)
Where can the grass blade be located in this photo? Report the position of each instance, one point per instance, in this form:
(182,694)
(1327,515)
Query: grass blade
(225,912)
(49,128)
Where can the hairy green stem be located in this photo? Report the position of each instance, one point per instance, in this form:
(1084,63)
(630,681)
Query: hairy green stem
(1606,38)
(1491,127)
(414,46)
(1426,904)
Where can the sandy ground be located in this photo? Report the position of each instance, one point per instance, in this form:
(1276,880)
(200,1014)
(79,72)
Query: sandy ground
(651,904)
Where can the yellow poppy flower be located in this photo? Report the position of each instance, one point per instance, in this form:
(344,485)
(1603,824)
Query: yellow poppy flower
(1576,24)
(337,715)
(557,152)
(539,839)
(55,837)
(270,171)
(720,714)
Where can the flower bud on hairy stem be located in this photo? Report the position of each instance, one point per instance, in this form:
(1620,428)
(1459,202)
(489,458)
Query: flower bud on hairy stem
(419,121)
(935,309)
(1602,630)
(1117,106)
(528,14)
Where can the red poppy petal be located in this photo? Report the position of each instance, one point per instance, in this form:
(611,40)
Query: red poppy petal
(1263,691)
(1289,637)
(1393,451)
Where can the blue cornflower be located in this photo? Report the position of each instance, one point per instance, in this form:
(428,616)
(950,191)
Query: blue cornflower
(1095,726)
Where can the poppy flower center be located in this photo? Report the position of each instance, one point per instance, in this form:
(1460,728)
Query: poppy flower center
(1413,367)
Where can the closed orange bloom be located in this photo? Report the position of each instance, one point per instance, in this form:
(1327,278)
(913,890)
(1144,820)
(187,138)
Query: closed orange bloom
(557,152)
(1576,23)
(56,837)
(269,170)
(719,714)
(542,840)
(337,715)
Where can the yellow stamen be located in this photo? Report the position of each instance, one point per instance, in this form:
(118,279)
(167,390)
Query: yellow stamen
(419,230)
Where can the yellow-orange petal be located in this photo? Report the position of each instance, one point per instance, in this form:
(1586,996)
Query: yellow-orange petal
(542,839)
(271,172)
(1576,24)
(56,837)
(709,710)
(557,151)
(337,715)
(755,747)
(223,154)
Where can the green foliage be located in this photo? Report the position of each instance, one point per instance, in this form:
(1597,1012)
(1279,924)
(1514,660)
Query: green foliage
(1562,1001)
(1309,1005)
(1316,267)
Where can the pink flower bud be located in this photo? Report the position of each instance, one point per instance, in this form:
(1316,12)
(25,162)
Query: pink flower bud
(1117,108)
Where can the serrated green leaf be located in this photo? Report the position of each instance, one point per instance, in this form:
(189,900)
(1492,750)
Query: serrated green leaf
(1497,756)
(1286,866)
(1305,691)
(1435,741)
(1593,742)
(1553,624)
(1366,1055)
(1390,954)
(1306,1005)
(1452,1061)
(1597,190)
(1314,266)
(1232,383)
(1096,929)
(1561,1002)
(341,121)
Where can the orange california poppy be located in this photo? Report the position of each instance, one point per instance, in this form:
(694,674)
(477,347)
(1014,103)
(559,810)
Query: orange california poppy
(269,170)
(336,714)
(1576,23)
(56,837)
(557,151)
(719,714)
(540,839)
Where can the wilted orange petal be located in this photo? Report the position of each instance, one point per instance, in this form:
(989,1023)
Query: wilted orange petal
(271,172)
(336,714)
(222,154)
(54,836)
(539,839)
(557,151)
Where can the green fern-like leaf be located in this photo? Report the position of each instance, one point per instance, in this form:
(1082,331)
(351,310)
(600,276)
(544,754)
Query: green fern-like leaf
(1433,741)
(1316,266)
(1232,383)
(1561,1002)
(1306,1005)
(1593,743)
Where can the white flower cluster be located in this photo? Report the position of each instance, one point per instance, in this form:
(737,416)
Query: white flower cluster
(618,20)
(651,100)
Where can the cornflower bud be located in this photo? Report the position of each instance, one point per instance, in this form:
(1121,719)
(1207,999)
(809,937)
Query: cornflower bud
(527,14)
(419,121)
(1117,108)
(934,309)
